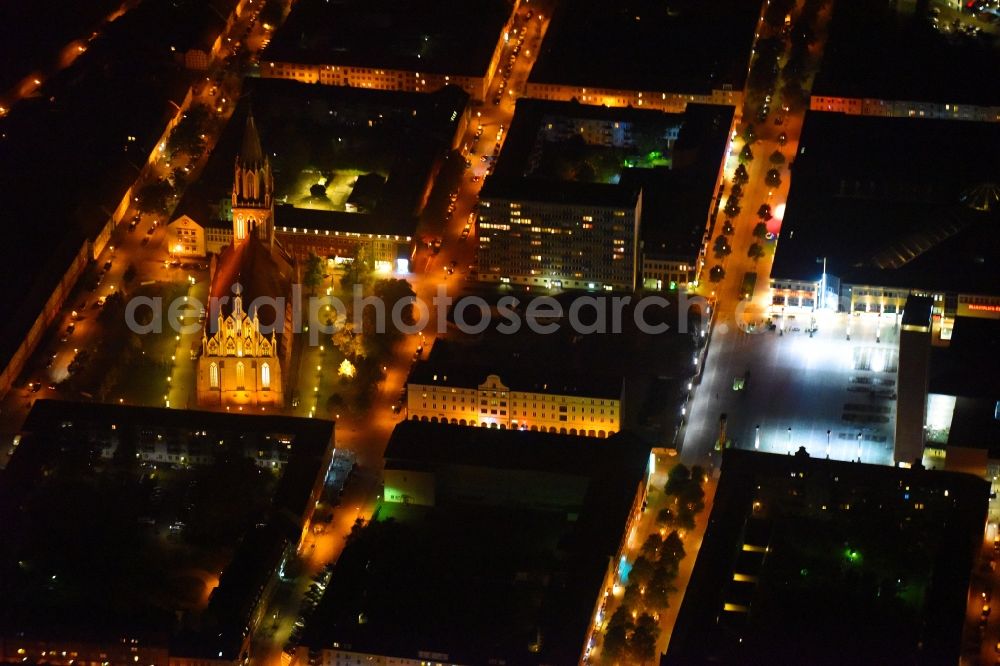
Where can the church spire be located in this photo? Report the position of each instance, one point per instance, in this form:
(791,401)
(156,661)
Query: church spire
(251,154)
(253,189)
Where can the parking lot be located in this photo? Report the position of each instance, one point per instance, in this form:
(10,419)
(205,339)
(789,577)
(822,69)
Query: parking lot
(804,383)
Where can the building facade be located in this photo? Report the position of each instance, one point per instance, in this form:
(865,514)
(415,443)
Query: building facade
(239,365)
(495,404)
(888,108)
(380,78)
(661,273)
(389,252)
(186,238)
(552,244)
(671,102)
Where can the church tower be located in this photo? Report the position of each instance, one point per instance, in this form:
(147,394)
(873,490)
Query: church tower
(253,190)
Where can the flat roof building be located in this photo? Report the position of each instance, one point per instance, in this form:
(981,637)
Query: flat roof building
(409,45)
(891,207)
(466,388)
(904,60)
(644,53)
(565,203)
(70,155)
(516,537)
(816,561)
(122,490)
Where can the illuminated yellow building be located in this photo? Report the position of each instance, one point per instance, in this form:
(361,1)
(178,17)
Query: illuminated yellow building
(462,394)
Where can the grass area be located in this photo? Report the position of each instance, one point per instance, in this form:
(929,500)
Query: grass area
(572,159)
(338,186)
(122,363)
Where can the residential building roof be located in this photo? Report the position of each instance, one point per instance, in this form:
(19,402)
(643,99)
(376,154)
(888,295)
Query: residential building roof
(441,36)
(885,201)
(686,46)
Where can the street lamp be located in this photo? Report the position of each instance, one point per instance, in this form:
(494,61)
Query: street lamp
(789,439)
(756,438)
(827,443)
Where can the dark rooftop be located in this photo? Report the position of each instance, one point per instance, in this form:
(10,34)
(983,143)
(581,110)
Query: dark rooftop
(686,46)
(969,365)
(893,202)
(311,132)
(112,516)
(67,162)
(676,198)
(917,311)
(560,192)
(540,569)
(311,437)
(442,36)
(676,202)
(842,581)
(468,366)
(890,51)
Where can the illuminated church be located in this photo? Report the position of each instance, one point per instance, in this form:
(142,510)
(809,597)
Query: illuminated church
(247,340)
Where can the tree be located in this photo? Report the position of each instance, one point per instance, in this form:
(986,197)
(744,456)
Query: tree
(359,270)
(741,175)
(794,96)
(728,228)
(764,212)
(777,157)
(732,207)
(642,570)
(665,516)
(776,12)
(749,135)
(178,178)
(677,478)
(797,65)
(692,497)
(773,178)
(698,473)
(764,70)
(685,518)
(632,598)
(642,646)
(736,191)
(335,402)
(153,197)
(393,291)
(659,588)
(755,251)
(317,190)
(312,274)
(187,135)
(717,273)
(760,230)
(350,344)
(273,13)
(651,547)
(616,635)
(746,155)
(722,248)
(673,547)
